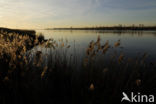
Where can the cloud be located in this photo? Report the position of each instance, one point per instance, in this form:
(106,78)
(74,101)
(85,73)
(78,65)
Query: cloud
(131,4)
(72,12)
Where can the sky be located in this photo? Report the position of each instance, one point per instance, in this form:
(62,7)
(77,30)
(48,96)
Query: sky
(37,14)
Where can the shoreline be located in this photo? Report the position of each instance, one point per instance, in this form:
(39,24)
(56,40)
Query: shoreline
(114,28)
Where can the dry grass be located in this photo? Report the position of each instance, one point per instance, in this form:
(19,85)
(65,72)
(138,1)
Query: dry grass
(52,75)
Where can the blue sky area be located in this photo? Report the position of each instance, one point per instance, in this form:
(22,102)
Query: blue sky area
(76,13)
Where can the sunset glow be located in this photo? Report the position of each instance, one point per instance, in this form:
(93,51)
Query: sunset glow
(59,13)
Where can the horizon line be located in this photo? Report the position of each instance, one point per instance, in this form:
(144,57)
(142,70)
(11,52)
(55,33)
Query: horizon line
(93,26)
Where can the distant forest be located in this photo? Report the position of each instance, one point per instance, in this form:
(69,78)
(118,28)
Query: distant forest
(140,27)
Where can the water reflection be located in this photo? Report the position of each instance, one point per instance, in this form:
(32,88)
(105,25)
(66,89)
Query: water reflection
(132,42)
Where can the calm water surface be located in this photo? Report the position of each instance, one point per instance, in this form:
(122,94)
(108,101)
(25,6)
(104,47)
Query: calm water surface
(133,43)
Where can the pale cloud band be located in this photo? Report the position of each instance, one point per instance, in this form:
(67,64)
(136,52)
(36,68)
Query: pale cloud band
(56,13)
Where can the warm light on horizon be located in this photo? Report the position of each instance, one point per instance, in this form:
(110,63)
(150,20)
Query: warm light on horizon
(39,14)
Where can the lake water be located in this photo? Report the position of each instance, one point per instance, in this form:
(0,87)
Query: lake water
(132,43)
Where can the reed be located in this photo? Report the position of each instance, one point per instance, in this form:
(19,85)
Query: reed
(53,72)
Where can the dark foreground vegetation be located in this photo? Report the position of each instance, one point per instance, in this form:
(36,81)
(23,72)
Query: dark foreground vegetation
(31,76)
(18,31)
